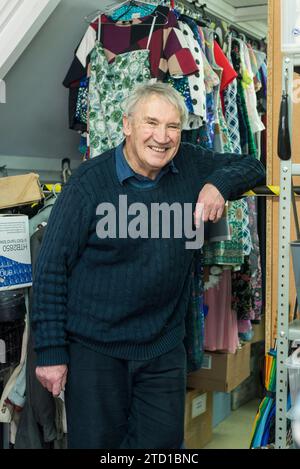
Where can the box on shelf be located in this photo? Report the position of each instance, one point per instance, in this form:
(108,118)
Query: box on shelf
(252,387)
(15,260)
(198,419)
(221,407)
(222,371)
(19,190)
(259,331)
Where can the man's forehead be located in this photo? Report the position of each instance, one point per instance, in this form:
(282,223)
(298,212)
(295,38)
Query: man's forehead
(160,118)
(150,107)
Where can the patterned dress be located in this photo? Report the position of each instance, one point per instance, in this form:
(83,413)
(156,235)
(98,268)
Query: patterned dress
(110,85)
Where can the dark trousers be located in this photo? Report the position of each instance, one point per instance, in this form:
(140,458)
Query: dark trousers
(113,403)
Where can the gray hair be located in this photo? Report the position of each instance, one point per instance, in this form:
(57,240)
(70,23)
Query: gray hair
(161,89)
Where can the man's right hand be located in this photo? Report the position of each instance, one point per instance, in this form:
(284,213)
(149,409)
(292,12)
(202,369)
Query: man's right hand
(52,378)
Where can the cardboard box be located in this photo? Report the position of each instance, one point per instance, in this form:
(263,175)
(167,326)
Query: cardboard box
(221,407)
(20,190)
(252,387)
(198,419)
(15,260)
(222,371)
(259,331)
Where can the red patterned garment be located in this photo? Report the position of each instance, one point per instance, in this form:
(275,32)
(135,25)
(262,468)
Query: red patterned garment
(168,48)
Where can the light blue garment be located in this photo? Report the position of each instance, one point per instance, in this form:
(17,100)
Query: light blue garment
(126,12)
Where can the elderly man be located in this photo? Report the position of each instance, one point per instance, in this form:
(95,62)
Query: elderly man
(110,301)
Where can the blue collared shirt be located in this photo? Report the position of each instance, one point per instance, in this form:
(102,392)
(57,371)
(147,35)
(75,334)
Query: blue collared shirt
(126,173)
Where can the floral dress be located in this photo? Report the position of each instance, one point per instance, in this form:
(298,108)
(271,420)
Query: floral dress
(109,86)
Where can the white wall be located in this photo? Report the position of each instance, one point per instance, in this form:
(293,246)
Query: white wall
(34,120)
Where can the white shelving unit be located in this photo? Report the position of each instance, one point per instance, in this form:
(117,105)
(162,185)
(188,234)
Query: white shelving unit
(285,331)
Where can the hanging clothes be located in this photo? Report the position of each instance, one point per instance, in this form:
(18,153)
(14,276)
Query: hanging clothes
(110,85)
(228,72)
(242,291)
(245,330)
(248,85)
(168,51)
(126,13)
(218,141)
(194,321)
(231,251)
(195,81)
(181,84)
(221,332)
(231,117)
(211,81)
(255,262)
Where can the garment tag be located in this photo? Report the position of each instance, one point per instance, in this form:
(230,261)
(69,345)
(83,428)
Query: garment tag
(136,15)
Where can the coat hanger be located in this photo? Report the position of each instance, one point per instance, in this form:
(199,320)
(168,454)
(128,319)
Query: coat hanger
(198,16)
(96,14)
(233,32)
(243,37)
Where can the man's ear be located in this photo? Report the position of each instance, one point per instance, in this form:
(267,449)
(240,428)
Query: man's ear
(126,126)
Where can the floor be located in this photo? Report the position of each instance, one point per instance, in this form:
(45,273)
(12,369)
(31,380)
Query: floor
(235,431)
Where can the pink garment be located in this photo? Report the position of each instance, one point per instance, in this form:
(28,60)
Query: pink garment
(244,325)
(221,329)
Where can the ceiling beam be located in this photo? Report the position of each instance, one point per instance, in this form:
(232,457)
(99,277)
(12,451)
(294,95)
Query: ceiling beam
(258,13)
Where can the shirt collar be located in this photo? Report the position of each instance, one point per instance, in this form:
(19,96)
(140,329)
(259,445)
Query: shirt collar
(124,171)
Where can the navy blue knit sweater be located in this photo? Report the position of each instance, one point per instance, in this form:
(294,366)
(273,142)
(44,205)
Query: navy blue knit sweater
(124,297)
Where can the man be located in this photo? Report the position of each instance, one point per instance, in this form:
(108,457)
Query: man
(109,309)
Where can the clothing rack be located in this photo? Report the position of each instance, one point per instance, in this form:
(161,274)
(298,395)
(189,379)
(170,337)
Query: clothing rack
(94,14)
(195,9)
(192,8)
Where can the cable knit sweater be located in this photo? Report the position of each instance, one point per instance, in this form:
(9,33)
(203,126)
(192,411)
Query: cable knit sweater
(124,297)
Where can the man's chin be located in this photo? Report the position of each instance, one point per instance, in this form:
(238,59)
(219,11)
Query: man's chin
(160,159)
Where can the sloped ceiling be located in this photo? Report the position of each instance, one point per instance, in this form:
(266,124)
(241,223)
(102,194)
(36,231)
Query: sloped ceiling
(249,15)
(20,20)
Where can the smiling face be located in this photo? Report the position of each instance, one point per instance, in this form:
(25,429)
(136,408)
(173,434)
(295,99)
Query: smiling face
(153,134)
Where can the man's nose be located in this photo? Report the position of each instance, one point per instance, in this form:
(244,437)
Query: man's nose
(161,134)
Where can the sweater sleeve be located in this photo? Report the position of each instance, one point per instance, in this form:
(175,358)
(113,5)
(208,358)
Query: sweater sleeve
(230,173)
(65,237)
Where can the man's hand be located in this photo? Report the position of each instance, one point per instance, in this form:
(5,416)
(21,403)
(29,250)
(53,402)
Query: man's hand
(213,205)
(52,378)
